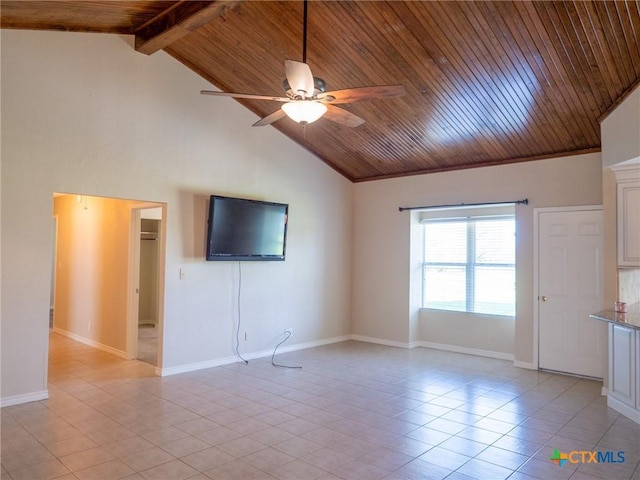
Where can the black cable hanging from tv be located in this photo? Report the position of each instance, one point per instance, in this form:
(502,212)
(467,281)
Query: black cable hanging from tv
(462,205)
(239,316)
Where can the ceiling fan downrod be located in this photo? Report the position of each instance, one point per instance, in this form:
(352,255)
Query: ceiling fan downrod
(306,98)
(304,32)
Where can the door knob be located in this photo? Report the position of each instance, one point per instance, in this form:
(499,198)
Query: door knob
(543,298)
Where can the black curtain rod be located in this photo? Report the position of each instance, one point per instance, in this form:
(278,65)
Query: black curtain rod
(514,202)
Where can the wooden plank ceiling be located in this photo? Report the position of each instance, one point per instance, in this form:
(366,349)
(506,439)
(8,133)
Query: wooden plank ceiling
(487,82)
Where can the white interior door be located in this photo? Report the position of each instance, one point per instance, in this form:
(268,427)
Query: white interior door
(570,262)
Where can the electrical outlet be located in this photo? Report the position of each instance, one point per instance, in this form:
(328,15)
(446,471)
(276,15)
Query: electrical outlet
(246,336)
(289,331)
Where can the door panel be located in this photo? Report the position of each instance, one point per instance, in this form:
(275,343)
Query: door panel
(570,261)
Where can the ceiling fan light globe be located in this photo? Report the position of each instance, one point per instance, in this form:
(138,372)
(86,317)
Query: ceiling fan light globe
(304,111)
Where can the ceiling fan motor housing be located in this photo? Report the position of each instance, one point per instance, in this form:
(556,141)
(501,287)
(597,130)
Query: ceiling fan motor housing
(318,87)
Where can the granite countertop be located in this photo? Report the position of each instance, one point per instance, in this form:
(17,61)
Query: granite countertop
(630,319)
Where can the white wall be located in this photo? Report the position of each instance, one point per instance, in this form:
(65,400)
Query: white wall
(490,335)
(85,113)
(381,257)
(621,132)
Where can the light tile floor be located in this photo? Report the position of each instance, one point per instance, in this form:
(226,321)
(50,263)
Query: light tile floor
(148,344)
(354,411)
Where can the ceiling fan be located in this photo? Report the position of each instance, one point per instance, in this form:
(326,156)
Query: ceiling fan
(306,98)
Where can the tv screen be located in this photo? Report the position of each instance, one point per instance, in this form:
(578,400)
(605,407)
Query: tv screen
(243,229)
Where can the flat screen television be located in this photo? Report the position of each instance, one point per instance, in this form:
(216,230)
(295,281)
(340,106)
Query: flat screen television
(243,229)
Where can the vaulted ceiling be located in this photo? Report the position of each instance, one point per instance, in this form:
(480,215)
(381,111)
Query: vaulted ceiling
(486,82)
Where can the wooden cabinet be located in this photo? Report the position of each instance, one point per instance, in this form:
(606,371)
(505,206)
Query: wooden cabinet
(628,211)
(624,369)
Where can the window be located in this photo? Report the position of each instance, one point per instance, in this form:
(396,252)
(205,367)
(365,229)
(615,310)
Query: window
(469,264)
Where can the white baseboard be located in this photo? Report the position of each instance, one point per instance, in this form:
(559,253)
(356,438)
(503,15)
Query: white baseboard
(527,365)
(24,398)
(380,341)
(192,367)
(305,345)
(435,346)
(468,351)
(163,372)
(624,409)
(91,343)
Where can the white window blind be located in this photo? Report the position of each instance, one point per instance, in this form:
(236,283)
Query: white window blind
(469,264)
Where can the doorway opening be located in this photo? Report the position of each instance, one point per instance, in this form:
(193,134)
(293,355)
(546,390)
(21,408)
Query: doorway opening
(148,323)
(98,243)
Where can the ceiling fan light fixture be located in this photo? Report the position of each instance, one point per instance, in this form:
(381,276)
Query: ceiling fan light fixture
(304,111)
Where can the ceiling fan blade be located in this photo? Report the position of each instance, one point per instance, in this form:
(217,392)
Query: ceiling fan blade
(341,116)
(250,96)
(299,77)
(350,95)
(269,119)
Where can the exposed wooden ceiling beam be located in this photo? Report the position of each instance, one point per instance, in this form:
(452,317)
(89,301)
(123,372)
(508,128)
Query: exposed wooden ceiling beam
(177,22)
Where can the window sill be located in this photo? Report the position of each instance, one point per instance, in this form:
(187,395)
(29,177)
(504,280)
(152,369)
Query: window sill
(436,311)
